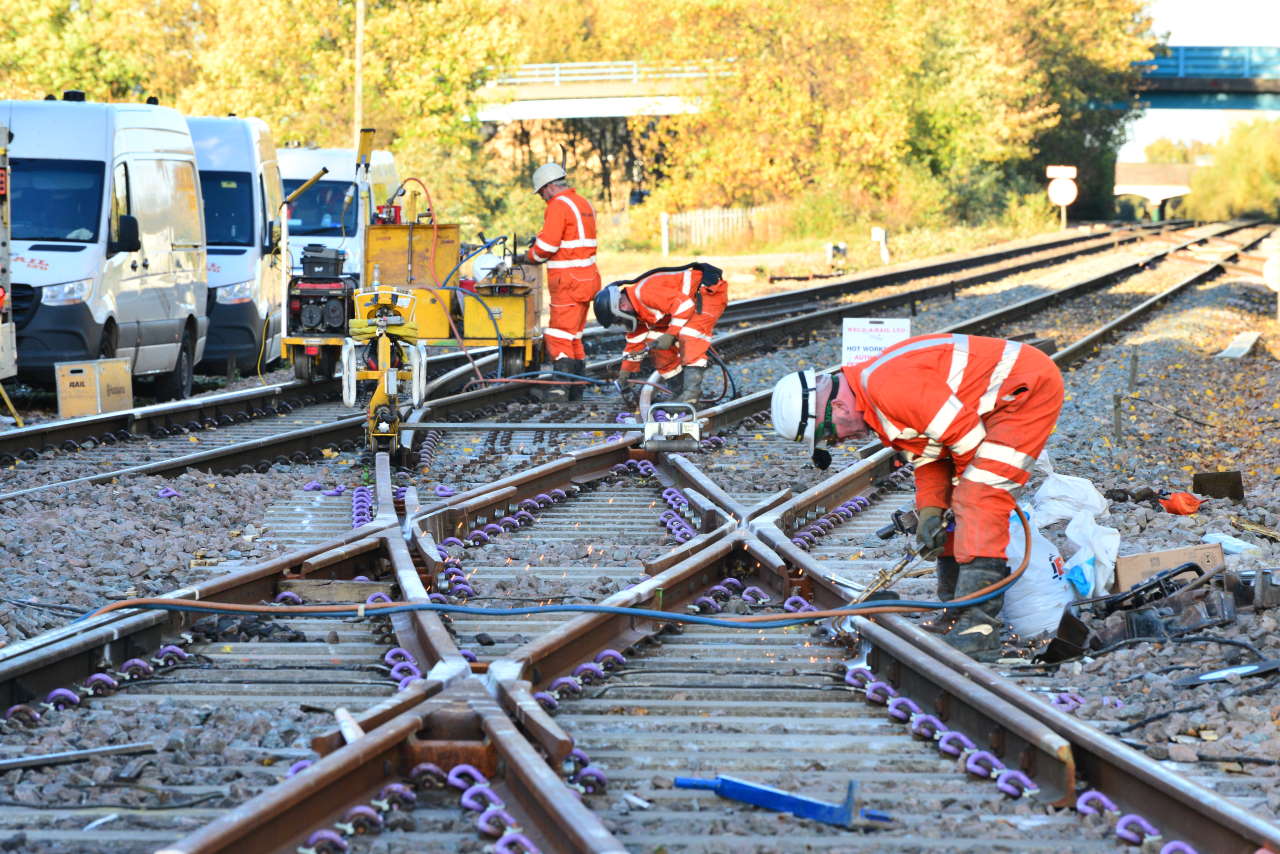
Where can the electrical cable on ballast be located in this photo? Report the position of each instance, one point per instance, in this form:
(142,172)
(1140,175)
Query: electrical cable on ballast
(753,621)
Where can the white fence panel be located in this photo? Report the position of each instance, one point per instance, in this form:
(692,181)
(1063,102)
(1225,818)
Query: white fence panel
(694,229)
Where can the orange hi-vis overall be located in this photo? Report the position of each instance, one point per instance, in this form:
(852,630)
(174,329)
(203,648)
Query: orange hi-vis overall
(674,300)
(567,245)
(973,414)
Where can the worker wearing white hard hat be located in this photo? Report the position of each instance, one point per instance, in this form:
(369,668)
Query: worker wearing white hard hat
(972,414)
(567,246)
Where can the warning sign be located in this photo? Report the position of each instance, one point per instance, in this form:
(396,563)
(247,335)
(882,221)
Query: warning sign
(866,337)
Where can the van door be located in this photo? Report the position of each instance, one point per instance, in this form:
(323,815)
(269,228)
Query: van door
(158,329)
(190,275)
(123,272)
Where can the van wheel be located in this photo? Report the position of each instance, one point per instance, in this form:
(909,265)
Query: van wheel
(107,346)
(176,384)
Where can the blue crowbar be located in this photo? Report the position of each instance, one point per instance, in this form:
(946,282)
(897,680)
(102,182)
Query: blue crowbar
(768,797)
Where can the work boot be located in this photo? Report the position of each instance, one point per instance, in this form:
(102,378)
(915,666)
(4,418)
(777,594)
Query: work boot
(692,391)
(946,571)
(977,630)
(577,367)
(675,385)
(554,393)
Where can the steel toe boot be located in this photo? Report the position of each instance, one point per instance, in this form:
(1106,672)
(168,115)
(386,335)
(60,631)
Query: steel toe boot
(946,572)
(577,367)
(674,384)
(977,630)
(692,390)
(554,393)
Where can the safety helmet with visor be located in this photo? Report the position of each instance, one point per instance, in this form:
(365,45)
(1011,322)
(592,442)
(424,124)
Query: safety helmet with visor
(609,311)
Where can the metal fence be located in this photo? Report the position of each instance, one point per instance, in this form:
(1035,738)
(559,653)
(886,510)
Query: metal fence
(1237,62)
(718,226)
(561,73)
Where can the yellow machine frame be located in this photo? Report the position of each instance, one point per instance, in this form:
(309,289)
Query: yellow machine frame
(401,306)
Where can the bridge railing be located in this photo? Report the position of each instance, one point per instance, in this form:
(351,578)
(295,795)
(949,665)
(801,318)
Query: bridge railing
(1239,62)
(563,73)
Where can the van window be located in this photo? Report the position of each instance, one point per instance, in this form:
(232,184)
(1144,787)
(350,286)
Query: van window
(119,198)
(58,200)
(327,209)
(187,229)
(228,208)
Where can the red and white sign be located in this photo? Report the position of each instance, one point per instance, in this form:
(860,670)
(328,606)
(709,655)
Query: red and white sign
(866,337)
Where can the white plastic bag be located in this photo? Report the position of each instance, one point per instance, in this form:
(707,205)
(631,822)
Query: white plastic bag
(1093,565)
(1062,496)
(1033,605)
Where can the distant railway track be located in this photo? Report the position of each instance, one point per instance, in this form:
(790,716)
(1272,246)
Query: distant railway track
(606,702)
(232,432)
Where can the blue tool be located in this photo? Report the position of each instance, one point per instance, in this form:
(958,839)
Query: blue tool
(846,814)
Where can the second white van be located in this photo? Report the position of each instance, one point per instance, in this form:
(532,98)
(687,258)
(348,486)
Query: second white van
(240,185)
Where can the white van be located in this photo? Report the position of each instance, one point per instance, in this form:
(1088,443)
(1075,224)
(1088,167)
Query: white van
(335,211)
(240,184)
(108,238)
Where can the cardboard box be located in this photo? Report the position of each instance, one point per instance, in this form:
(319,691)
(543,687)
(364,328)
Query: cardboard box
(91,388)
(1130,569)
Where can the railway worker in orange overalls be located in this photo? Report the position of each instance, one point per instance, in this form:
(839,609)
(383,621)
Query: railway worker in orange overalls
(972,414)
(567,245)
(671,312)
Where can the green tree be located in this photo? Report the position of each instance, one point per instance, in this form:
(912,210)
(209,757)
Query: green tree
(1244,178)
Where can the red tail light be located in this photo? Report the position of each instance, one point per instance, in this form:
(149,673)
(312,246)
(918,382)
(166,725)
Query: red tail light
(295,305)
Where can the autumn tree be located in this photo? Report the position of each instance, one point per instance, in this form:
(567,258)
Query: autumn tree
(1244,178)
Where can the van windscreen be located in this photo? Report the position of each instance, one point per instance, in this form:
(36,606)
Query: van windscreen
(56,199)
(228,208)
(327,209)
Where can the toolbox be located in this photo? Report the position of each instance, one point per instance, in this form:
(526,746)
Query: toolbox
(91,388)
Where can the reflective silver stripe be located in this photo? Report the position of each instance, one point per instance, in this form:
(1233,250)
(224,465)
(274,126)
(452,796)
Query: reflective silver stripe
(970,440)
(693,333)
(686,282)
(559,333)
(932,451)
(977,475)
(580,262)
(944,417)
(1005,454)
(669,374)
(683,307)
(959,359)
(577,215)
(578,244)
(698,363)
(677,323)
(998,376)
(546,247)
(637,339)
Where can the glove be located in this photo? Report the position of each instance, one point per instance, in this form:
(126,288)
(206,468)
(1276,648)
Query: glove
(931,533)
(665,341)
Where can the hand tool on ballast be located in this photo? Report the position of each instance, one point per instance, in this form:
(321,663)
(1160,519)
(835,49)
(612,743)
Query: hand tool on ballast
(845,814)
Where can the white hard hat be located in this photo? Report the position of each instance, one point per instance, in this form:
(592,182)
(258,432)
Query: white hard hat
(545,174)
(795,407)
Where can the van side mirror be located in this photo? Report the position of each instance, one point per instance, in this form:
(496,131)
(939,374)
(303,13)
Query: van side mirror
(127,239)
(273,237)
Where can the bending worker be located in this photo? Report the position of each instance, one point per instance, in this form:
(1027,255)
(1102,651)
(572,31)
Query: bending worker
(972,414)
(672,312)
(567,245)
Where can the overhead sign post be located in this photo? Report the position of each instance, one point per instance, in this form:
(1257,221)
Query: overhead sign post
(866,337)
(1062,187)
